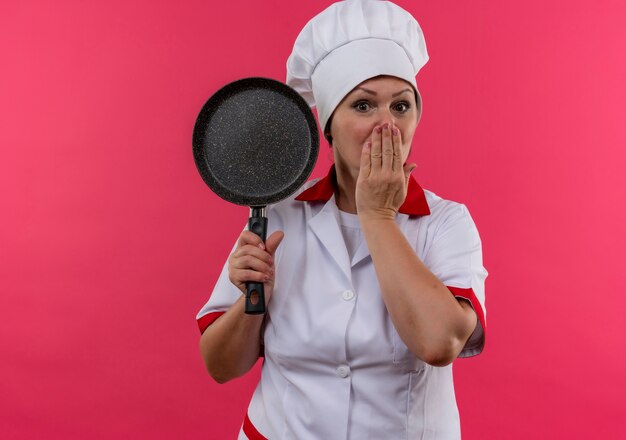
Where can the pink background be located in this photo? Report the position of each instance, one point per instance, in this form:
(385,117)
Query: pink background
(110,242)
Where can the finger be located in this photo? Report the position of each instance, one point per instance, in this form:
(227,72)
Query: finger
(254,251)
(397,152)
(366,160)
(245,275)
(273,241)
(251,262)
(387,148)
(249,237)
(376,152)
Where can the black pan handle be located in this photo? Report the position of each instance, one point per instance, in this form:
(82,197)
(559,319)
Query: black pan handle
(255,292)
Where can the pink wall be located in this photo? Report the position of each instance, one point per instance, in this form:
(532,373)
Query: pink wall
(110,241)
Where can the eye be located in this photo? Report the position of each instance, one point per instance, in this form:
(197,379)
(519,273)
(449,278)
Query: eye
(402,107)
(361,106)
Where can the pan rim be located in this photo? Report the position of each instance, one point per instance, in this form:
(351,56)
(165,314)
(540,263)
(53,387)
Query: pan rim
(204,118)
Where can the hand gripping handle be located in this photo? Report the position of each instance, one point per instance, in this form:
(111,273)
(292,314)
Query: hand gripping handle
(255,292)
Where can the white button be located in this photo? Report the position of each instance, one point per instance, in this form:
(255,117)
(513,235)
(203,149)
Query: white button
(347,295)
(343,371)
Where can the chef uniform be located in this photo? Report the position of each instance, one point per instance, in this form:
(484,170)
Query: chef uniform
(334,365)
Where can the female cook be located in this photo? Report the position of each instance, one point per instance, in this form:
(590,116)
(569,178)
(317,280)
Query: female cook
(374,285)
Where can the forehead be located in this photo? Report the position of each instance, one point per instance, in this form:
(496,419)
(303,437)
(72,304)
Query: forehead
(384,83)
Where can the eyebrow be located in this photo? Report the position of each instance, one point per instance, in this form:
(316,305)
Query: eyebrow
(371,92)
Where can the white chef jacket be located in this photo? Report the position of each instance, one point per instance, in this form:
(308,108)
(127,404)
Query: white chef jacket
(335,367)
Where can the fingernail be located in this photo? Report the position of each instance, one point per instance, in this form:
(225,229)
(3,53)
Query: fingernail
(386,125)
(378,129)
(262,245)
(395,131)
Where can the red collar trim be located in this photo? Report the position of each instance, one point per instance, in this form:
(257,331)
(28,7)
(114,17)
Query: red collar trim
(414,204)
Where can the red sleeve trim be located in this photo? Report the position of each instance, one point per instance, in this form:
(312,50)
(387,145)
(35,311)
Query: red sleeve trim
(207,320)
(250,431)
(469,295)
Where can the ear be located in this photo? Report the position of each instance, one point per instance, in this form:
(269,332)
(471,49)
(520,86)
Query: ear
(328,137)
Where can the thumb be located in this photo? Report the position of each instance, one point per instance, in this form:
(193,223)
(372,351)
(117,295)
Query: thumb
(272,242)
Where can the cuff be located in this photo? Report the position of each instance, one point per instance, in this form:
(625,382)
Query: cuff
(208,319)
(476,341)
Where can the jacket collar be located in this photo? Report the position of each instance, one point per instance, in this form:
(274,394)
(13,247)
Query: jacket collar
(414,204)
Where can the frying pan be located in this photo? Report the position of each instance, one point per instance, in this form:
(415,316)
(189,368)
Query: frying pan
(255,142)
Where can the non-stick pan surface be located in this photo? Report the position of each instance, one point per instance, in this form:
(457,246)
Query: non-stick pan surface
(255,141)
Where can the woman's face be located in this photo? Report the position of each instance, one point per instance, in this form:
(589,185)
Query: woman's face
(379,100)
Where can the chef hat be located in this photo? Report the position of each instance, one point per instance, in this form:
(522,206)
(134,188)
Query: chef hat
(350,42)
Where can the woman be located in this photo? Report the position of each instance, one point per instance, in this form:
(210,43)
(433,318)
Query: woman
(373,285)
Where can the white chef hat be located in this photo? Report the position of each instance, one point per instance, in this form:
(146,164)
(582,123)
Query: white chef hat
(350,42)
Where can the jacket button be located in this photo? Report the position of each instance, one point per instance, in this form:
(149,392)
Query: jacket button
(343,371)
(347,295)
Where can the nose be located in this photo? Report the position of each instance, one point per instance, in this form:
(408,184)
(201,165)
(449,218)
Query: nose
(385,115)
